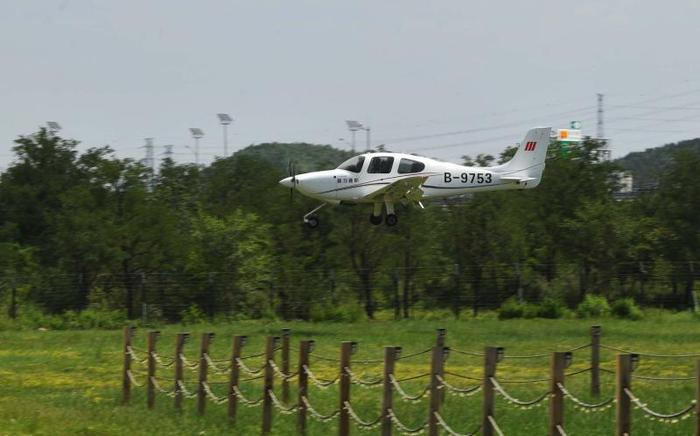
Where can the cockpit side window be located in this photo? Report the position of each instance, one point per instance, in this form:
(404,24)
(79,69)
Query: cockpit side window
(380,165)
(353,165)
(410,166)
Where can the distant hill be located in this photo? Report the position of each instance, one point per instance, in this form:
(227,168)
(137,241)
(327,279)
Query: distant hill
(647,165)
(306,157)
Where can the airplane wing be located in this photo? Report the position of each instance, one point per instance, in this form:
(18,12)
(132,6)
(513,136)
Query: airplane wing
(517,180)
(408,187)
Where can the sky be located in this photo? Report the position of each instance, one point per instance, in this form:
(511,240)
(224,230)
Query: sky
(442,79)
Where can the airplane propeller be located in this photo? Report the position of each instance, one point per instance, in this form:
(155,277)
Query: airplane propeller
(292,173)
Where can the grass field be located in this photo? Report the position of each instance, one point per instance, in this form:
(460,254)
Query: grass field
(68,382)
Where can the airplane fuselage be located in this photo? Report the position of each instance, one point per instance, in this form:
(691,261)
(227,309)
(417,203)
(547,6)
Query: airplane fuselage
(384,179)
(443,179)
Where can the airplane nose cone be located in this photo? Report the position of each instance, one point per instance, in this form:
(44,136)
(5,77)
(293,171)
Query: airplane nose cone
(287,182)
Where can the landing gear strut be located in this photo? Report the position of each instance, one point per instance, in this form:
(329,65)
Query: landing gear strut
(391,218)
(376,217)
(310,219)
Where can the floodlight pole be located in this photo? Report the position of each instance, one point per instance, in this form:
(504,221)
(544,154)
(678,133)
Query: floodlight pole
(352,140)
(225,139)
(196,134)
(367,131)
(196,150)
(225,120)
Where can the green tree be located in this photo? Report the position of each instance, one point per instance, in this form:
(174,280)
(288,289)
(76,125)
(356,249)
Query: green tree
(239,247)
(678,202)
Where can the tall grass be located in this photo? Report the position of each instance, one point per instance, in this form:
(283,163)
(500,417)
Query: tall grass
(68,382)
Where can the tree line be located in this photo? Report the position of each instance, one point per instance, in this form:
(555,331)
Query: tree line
(88,229)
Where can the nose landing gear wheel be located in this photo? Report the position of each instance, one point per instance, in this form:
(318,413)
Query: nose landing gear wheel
(391,220)
(311,222)
(375,219)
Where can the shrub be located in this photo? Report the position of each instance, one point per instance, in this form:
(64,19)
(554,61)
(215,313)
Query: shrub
(347,312)
(626,309)
(32,318)
(551,308)
(511,309)
(593,306)
(530,310)
(431,315)
(192,315)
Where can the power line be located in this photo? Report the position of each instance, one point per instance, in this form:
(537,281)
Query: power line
(660,108)
(483,129)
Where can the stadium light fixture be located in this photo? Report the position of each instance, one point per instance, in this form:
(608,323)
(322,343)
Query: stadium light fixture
(225,120)
(197,134)
(53,126)
(353,126)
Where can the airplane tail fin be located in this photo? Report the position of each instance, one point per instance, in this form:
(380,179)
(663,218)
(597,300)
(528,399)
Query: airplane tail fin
(528,162)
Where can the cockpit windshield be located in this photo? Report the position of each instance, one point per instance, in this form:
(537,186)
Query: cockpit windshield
(354,165)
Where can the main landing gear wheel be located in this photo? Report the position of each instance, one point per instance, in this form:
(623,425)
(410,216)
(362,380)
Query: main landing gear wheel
(311,222)
(310,219)
(375,219)
(391,220)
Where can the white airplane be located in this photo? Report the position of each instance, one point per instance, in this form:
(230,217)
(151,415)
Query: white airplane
(384,179)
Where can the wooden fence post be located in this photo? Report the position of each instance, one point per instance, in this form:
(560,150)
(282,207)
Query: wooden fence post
(440,342)
(285,364)
(203,369)
(268,385)
(624,381)
(179,375)
(697,398)
(346,350)
(559,363)
(12,310)
(595,360)
(491,356)
(305,348)
(126,381)
(440,337)
(234,374)
(437,366)
(390,356)
(151,388)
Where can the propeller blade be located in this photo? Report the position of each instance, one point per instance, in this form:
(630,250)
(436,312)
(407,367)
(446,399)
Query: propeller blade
(292,174)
